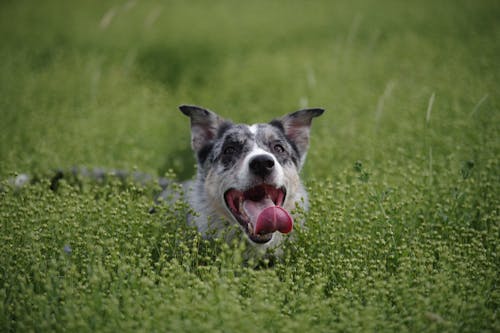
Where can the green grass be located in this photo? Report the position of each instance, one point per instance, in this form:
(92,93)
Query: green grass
(403,170)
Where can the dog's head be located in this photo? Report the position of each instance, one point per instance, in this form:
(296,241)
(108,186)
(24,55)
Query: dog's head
(250,174)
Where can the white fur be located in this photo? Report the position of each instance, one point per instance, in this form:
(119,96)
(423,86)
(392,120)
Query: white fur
(253,128)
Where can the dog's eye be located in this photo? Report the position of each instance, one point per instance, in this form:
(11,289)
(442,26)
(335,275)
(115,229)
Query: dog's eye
(229,150)
(279,148)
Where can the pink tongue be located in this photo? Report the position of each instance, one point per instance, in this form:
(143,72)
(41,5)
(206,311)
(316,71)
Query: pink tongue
(267,218)
(272,219)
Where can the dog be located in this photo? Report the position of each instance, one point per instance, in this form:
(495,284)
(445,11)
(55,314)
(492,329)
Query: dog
(247,181)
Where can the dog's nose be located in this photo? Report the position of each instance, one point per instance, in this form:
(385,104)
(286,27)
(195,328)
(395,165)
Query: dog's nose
(262,165)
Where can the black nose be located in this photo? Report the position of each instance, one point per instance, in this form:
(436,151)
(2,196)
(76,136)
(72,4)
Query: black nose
(262,165)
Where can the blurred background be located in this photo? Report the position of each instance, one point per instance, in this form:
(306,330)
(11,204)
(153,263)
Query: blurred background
(97,83)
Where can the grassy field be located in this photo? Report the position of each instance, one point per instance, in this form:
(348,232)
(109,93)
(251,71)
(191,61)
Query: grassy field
(403,170)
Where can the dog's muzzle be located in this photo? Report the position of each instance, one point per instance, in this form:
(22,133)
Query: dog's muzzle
(259,211)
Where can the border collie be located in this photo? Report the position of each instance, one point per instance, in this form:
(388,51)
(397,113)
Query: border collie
(248,175)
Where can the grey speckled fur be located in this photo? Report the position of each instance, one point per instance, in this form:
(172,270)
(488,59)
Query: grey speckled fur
(218,171)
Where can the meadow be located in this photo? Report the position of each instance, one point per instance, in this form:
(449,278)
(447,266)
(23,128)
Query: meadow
(403,171)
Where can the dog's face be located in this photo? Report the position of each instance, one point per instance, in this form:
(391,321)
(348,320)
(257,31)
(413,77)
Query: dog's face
(250,174)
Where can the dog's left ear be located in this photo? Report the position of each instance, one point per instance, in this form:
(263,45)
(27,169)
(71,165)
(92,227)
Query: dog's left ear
(297,126)
(204,125)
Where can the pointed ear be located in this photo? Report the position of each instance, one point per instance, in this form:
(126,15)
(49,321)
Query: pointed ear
(297,126)
(204,125)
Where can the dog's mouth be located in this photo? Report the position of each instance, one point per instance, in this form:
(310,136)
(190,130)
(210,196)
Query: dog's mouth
(259,211)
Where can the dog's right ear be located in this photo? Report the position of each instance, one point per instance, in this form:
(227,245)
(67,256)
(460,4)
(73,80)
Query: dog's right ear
(204,125)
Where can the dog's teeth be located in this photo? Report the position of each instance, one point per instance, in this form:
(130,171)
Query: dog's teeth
(241,210)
